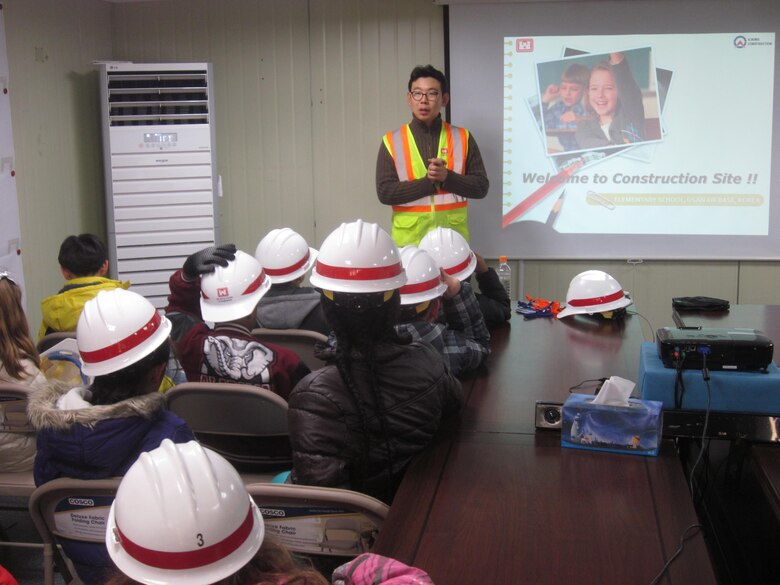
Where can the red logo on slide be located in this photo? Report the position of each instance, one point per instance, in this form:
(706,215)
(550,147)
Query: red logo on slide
(524,45)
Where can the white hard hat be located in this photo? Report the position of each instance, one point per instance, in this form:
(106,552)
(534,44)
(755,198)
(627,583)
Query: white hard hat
(284,255)
(451,251)
(423,278)
(358,257)
(116,329)
(182,516)
(232,291)
(594,291)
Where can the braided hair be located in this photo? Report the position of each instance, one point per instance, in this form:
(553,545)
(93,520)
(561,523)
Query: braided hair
(361,322)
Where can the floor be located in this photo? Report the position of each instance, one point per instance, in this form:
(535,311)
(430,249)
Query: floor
(25,564)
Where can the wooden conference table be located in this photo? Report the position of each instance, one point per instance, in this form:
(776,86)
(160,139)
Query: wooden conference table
(494,502)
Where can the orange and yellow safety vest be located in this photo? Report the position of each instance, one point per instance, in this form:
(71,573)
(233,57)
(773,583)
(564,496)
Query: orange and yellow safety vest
(411,221)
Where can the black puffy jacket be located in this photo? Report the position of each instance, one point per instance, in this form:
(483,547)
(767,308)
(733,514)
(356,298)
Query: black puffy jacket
(330,445)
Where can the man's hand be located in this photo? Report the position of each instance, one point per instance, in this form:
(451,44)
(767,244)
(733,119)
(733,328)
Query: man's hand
(208,259)
(437,170)
(453,284)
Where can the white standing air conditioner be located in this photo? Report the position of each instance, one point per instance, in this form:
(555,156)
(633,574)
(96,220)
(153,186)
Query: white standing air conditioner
(160,166)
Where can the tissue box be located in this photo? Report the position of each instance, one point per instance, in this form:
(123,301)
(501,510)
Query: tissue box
(634,429)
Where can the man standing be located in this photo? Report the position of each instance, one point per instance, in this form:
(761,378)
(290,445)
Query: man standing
(427,169)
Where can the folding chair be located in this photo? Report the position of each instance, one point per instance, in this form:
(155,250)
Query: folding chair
(52,339)
(16,487)
(245,424)
(301,341)
(319,521)
(70,509)
(13,419)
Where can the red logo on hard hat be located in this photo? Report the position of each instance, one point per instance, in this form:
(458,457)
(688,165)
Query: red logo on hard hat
(222,292)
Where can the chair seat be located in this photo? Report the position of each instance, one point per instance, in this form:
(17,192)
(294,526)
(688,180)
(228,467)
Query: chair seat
(250,478)
(18,484)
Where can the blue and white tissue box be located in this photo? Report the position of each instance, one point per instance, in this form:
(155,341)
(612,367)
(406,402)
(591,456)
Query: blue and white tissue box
(633,428)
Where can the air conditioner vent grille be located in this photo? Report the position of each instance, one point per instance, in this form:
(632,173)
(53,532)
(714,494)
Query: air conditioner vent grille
(164,98)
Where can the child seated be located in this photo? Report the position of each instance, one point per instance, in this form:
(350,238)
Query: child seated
(98,431)
(19,364)
(463,340)
(84,264)
(223,286)
(452,253)
(358,422)
(286,258)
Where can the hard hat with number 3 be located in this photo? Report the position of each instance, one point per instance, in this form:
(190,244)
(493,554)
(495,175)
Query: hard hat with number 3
(182,516)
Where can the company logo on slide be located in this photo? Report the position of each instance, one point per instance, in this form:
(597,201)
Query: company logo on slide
(740,42)
(524,45)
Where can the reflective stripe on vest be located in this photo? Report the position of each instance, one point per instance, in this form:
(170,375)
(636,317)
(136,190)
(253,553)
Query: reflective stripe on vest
(453,148)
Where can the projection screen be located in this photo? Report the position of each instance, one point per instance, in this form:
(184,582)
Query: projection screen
(635,129)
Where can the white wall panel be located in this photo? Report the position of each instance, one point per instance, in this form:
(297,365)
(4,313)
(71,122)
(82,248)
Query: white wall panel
(362,54)
(260,52)
(56,124)
(304,91)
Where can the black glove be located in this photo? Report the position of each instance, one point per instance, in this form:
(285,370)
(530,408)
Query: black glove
(208,259)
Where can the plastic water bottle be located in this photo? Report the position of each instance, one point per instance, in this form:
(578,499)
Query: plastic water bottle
(505,275)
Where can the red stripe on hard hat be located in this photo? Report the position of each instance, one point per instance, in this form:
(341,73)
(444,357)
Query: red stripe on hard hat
(597,300)
(123,345)
(458,267)
(355,273)
(190,559)
(286,269)
(257,283)
(420,286)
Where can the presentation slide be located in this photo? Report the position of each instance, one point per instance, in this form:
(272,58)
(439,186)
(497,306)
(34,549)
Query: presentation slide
(639,134)
(642,130)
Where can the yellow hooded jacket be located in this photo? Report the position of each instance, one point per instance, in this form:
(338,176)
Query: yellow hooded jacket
(61,312)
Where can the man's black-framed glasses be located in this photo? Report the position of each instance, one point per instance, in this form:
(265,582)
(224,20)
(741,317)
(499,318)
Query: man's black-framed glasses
(432,95)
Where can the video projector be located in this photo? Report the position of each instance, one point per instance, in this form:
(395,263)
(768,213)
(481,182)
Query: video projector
(723,348)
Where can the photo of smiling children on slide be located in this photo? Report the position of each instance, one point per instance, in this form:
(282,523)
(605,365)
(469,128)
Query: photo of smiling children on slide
(615,113)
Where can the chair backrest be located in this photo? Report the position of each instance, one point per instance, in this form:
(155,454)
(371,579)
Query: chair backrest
(245,424)
(71,509)
(52,339)
(13,408)
(13,419)
(301,341)
(319,521)
(229,409)
(76,509)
